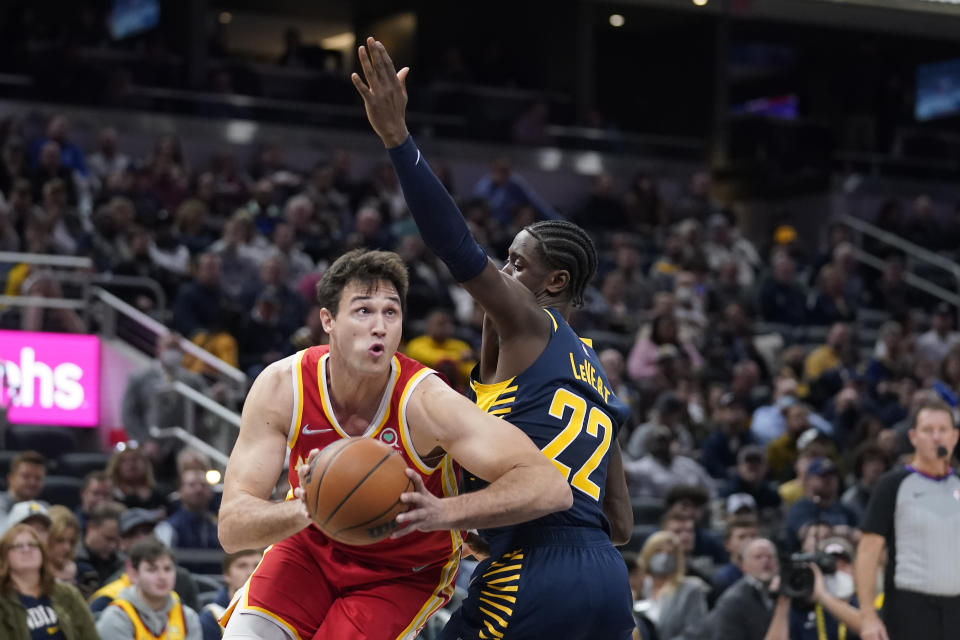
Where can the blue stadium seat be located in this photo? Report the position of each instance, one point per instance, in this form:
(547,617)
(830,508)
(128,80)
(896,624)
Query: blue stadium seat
(52,442)
(63,490)
(80,463)
(647,510)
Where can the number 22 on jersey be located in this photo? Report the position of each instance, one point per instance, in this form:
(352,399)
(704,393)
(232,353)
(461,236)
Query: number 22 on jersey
(562,400)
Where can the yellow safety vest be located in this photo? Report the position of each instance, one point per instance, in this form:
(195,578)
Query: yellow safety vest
(175,629)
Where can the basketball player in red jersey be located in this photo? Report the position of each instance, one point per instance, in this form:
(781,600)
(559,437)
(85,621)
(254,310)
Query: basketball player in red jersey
(310,587)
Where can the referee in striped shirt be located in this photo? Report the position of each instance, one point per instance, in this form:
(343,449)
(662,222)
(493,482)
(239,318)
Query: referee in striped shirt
(915,512)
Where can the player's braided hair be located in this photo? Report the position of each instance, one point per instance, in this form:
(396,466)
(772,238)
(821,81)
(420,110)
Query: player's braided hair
(564,245)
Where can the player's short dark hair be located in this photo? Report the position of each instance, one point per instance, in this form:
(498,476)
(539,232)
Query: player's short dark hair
(932,404)
(367,267)
(230,558)
(564,245)
(745,521)
(148,550)
(27,457)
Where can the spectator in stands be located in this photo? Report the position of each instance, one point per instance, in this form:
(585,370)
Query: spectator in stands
(62,543)
(33,603)
(49,167)
(690,501)
(739,531)
(293,54)
(264,333)
(531,126)
(21,208)
(312,333)
(890,292)
(149,607)
(96,490)
(886,362)
(659,470)
(428,289)
(71,155)
(368,230)
(263,207)
(298,262)
(781,298)
(61,217)
(97,557)
(137,525)
(725,245)
(769,422)
(669,262)
(642,363)
(922,227)
(615,366)
(13,164)
(750,608)
(437,345)
(830,356)
(751,479)
(602,210)
(24,481)
(731,432)
(193,525)
(237,569)
(107,159)
(674,602)
(239,260)
(645,210)
(820,502)
(42,284)
(669,411)
(830,302)
(150,399)
(200,303)
(869,463)
(273,280)
(191,226)
(935,344)
(131,474)
(782,452)
(506,192)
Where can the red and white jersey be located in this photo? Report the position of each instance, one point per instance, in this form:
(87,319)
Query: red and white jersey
(314,426)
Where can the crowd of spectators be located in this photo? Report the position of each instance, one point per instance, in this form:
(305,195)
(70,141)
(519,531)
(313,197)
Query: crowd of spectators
(758,407)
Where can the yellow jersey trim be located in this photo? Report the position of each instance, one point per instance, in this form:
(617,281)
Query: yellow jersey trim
(552,319)
(297,414)
(405,438)
(495,393)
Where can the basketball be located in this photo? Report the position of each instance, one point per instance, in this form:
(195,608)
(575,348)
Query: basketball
(353,490)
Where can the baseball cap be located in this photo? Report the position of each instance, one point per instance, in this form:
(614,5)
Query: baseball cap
(821,466)
(808,437)
(133,518)
(737,502)
(837,546)
(23,511)
(784,234)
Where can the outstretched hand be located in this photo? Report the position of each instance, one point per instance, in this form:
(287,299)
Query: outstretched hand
(384,93)
(425,511)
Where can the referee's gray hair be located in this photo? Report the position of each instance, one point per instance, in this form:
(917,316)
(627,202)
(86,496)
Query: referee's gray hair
(933,404)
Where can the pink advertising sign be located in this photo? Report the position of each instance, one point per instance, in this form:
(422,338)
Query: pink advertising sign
(50,378)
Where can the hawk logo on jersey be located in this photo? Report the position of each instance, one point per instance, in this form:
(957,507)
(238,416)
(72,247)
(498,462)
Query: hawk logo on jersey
(389,436)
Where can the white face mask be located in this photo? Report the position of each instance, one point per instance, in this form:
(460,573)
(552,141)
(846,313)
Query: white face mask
(171,358)
(839,584)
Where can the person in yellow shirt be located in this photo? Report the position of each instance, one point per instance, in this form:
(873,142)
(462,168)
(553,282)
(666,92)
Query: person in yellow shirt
(828,356)
(438,346)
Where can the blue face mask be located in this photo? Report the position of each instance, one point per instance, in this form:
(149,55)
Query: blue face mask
(662,564)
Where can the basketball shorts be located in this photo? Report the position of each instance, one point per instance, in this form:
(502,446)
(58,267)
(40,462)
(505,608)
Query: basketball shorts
(316,592)
(556,582)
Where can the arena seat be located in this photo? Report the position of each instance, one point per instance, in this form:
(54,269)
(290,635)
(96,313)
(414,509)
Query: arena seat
(52,442)
(647,510)
(80,463)
(63,490)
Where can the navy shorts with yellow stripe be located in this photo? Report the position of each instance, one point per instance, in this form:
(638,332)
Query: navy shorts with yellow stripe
(558,582)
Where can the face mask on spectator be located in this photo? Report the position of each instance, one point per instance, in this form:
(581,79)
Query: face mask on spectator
(662,564)
(839,584)
(171,358)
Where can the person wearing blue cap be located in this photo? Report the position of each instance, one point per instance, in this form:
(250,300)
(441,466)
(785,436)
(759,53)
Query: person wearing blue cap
(820,502)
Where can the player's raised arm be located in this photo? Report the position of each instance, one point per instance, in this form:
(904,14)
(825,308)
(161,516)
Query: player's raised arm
(248,519)
(524,484)
(513,308)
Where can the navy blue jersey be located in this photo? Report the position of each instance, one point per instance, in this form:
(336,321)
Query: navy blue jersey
(564,403)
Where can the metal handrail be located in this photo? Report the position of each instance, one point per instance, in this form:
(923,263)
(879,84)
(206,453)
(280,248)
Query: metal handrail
(191,440)
(74,262)
(160,329)
(896,241)
(910,278)
(212,406)
(43,302)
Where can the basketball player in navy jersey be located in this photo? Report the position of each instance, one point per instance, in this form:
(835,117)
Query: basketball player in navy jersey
(558,576)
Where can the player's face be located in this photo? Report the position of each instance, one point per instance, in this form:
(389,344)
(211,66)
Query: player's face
(156,579)
(524,263)
(368,325)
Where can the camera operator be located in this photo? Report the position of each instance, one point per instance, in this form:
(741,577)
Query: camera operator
(826,612)
(751,609)
(915,512)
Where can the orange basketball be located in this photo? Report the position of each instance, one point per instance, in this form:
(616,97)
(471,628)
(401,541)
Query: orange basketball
(353,490)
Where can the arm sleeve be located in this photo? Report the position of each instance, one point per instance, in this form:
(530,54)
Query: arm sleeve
(883,504)
(440,222)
